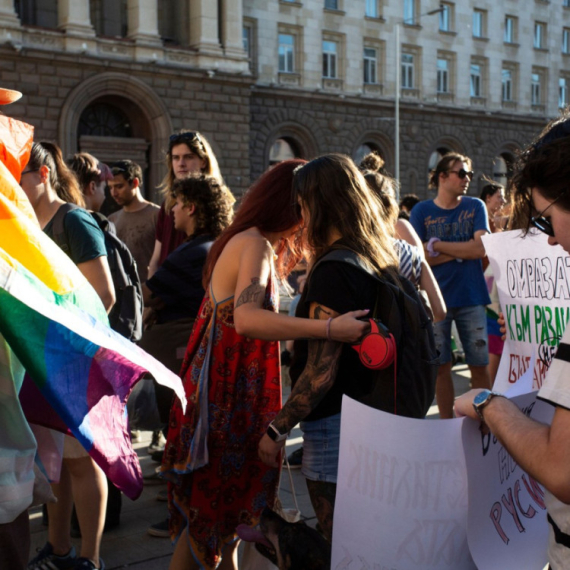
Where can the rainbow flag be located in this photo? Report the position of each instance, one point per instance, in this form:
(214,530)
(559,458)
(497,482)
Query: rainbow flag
(55,324)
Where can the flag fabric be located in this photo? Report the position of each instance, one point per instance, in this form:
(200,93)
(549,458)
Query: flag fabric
(54,322)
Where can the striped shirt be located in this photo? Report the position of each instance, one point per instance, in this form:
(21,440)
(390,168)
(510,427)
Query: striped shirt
(410,260)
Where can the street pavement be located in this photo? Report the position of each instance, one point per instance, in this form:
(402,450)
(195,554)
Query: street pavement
(129,545)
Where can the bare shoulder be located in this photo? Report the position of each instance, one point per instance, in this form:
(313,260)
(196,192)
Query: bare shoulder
(250,241)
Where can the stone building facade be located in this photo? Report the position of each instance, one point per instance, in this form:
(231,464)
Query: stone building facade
(266,79)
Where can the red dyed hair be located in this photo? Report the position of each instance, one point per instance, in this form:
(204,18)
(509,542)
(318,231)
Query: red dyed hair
(270,206)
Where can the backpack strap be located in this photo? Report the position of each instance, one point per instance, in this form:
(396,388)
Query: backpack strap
(58,228)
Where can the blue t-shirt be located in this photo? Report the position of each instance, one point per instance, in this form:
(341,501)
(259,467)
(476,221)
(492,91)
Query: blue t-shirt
(461,281)
(178,281)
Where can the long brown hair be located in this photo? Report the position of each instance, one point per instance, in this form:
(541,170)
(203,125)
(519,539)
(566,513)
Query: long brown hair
(337,196)
(61,178)
(269,206)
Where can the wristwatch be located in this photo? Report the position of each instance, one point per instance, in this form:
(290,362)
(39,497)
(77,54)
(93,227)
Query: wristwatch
(482,399)
(275,434)
(429,247)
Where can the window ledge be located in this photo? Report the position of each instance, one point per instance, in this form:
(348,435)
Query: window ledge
(511,105)
(480,38)
(478,101)
(544,50)
(289,78)
(512,44)
(410,93)
(538,108)
(287,3)
(373,88)
(565,53)
(412,25)
(379,19)
(447,97)
(334,11)
(448,32)
(332,84)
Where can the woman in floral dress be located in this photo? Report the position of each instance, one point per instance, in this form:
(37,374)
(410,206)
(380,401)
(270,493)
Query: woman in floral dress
(232,378)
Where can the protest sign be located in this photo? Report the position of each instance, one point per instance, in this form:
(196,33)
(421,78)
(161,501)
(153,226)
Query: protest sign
(401,501)
(533,281)
(507,525)
(434,495)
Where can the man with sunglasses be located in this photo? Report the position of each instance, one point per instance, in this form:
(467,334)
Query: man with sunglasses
(542,198)
(136,220)
(451,227)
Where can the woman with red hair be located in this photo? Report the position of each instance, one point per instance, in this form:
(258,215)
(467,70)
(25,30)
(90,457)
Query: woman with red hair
(231,375)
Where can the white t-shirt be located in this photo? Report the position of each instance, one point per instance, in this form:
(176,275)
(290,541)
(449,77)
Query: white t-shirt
(556,390)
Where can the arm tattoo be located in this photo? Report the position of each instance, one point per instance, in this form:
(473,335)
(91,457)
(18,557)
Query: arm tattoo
(319,311)
(313,384)
(251,293)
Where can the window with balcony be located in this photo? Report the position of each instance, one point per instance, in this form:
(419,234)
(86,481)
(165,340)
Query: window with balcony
(330,59)
(286,53)
(407,71)
(539,35)
(510,30)
(370,65)
(442,76)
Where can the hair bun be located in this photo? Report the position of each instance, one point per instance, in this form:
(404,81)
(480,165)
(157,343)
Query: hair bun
(372,161)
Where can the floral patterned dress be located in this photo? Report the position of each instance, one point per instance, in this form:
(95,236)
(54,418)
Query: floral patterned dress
(233,387)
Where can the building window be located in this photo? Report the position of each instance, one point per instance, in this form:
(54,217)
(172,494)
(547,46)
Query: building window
(566,3)
(109,17)
(507,85)
(286,53)
(34,13)
(246,39)
(104,120)
(566,40)
(442,76)
(475,80)
(371,9)
(407,71)
(539,35)
(479,23)
(535,95)
(331,4)
(409,11)
(445,18)
(510,30)
(282,149)
(330,59)
(370,65)
(562,92)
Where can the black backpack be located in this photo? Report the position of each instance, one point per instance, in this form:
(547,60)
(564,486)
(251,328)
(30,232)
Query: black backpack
(126,316)
(409,389)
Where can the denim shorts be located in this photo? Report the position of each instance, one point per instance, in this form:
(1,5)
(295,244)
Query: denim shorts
(321,439)
(471,325)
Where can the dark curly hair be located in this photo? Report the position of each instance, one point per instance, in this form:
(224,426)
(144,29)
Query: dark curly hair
(212,200)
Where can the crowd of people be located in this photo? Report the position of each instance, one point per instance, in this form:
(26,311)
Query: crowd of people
(209,271)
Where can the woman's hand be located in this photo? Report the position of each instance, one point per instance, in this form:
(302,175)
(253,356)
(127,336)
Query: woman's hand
(269,451)
(347,327)
(503,328)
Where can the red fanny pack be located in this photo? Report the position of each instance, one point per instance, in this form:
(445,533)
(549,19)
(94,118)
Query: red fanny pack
(377,350)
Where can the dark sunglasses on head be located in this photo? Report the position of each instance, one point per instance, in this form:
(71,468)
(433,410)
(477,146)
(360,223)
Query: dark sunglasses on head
(544,224)
(189,136)
(462,173)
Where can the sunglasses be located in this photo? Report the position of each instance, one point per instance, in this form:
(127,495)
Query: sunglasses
(190,136)
(544,224)
(462,173)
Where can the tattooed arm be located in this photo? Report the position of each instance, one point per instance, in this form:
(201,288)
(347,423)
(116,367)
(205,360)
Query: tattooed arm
(315,381)
(252,320)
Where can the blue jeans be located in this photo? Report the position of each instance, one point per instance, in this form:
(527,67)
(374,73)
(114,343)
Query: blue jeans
(471,324)
(321,440)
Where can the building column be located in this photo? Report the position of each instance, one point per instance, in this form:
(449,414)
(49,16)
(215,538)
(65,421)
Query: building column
(74,18)
(232,28)
(204,30)
(142,21)
(8,16)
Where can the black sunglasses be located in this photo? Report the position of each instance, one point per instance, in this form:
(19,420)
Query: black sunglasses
(462,173)
(189,136)
(544,224)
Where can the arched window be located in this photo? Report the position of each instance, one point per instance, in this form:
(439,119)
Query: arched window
(503,168)
(283,149)
(105,120)
(109,17)
(435,157)
(41,13)
(364,149)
